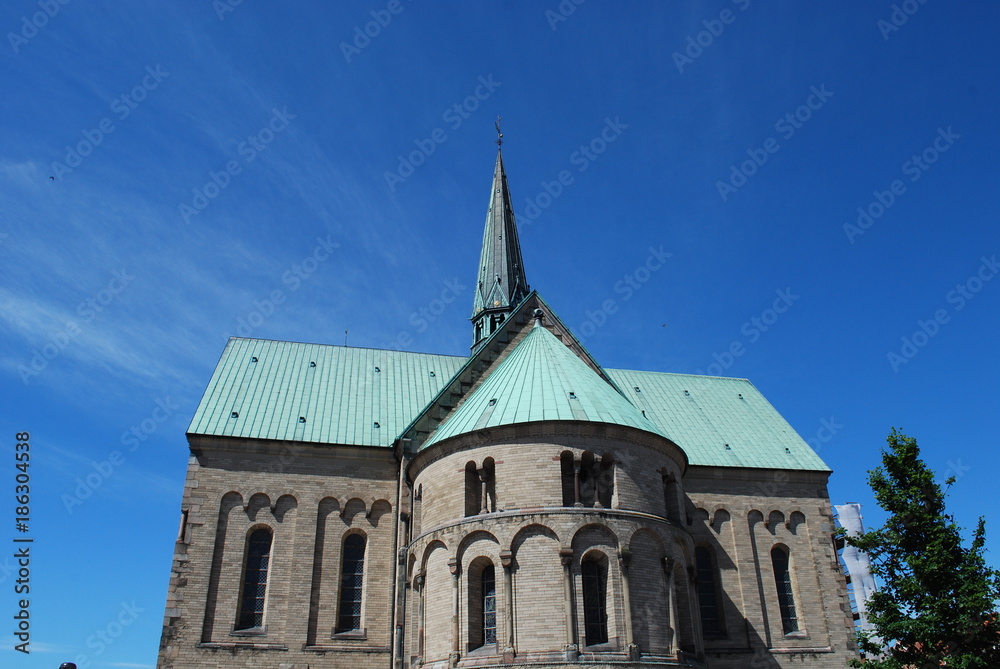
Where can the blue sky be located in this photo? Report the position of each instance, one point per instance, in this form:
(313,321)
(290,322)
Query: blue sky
(173,174)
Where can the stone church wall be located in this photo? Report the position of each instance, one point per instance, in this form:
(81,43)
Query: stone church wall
(311,497)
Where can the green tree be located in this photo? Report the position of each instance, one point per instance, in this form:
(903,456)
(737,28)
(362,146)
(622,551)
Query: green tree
(935,605)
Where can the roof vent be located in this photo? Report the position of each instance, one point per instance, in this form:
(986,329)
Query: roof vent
(302,419)
(253,359)
(741,395)
(312,364)
(788,450)
(375,425)
(377,370)
(235,414)
(687,394)
(636,389)
(728,447)
(433,374)
(572,395)
(493,402)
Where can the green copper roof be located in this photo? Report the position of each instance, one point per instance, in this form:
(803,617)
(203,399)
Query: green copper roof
(541,380)
(343,397)
(718,421)
(318,393)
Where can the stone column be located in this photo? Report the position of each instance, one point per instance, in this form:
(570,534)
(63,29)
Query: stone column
(508,651)
(484,488)
(419,580)
(571,650)
(631,648)
(576,481)
(668,570)
(455,654)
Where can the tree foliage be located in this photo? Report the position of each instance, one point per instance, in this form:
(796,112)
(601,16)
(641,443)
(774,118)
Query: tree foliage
(936,602)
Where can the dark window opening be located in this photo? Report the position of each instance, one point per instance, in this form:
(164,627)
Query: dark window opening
(489,605)
(708,594)
(351,582)
(567,475)
(783,582)
(258,558)
(595,615)
(473,496)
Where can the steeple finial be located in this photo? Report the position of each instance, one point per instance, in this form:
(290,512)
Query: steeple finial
(499,134)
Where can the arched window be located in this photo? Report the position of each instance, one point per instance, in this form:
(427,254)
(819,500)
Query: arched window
(605,480)
(671,498)
(258,557)
(488,600)
(418,504)
(351,582)
(567,476)
(595,613)
(482,603)
(489,485)
(708,592)
(473,494)
(588,484)
(783,582)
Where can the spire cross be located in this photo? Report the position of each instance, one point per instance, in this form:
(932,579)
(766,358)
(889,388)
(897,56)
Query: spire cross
(499,134)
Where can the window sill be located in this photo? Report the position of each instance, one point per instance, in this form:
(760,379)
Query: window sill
(485,649)
(351,635)
(250,631)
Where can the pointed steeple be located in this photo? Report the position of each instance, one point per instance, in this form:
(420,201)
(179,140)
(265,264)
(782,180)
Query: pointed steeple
(501,283)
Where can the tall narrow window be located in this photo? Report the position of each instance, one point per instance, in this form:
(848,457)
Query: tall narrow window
(258,558)
(567,476)
(671,502)
(488,479)
(595,614)
(473,489)
(708,595)
(489,602)
(588,484)
(605,480)
(783,582)
(351,581)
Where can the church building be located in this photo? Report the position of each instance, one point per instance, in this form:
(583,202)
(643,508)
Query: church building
(356,508)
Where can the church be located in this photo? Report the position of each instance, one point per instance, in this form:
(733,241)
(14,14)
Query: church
(521,506)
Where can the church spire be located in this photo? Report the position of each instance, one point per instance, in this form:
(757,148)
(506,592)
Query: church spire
(501,283)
